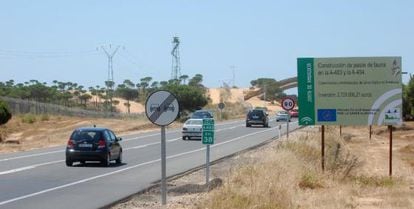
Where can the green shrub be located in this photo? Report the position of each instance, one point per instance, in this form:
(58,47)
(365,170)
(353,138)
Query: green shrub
(28,118)
(310,181)
(5,114)
(374,181)
(44,117)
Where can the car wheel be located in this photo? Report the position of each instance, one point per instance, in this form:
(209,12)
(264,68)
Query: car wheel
(184,138)
(189,138)
(69,163)
(107,161)
(248,125)
(119,160)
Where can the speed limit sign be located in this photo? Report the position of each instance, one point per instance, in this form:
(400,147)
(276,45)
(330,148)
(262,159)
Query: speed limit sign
(288,103)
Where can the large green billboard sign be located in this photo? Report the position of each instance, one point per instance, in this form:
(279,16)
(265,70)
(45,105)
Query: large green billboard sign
(350,91)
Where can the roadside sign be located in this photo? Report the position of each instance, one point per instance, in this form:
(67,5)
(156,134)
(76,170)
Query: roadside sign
(221,105)
(288,103)
(162,108)
(208,131)
(350,91)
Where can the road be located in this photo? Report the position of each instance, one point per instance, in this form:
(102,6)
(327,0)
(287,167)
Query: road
(40,178)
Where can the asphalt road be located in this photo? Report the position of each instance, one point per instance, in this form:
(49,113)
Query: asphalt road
(40,178)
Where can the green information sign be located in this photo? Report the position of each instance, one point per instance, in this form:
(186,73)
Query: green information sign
(208,131)
(350,91)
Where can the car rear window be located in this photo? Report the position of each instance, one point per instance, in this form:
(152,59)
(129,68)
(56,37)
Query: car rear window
(195,122)
(201,114)
(256,112)
(86,135)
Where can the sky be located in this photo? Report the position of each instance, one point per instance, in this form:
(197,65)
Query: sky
(63,40)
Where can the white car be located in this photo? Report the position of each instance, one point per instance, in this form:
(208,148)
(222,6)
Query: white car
(282,116)
(192,128)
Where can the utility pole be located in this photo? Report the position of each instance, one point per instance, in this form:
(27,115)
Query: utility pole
(110,61)
(110,82)
(232,67)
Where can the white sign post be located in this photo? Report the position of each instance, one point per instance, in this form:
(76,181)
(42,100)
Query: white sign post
(288,104)
(162,109)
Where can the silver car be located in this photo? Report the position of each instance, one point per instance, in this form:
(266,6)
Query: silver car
(192,128)
(282,116)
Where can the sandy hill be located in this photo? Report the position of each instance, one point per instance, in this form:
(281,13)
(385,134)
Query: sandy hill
(234,95)
(217,95)
(135,106)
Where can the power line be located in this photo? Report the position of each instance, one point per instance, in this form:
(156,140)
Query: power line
(6,53)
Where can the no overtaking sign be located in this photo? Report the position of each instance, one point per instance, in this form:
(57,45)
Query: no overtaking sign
(162,108)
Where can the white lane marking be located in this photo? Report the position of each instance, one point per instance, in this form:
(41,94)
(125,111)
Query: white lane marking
(31,155)
(29,167)
(76,182)
(121,170)
(52,152)
(130,148)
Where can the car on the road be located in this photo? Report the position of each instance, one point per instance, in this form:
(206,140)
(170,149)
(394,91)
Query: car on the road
(93,144)
(200,114)
(192,128)
(282,116)
(257,117)
(294,113)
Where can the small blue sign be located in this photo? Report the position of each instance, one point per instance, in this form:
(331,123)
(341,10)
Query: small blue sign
(327,115)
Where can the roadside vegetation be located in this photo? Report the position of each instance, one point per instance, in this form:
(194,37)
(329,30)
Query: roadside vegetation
(191,93)
(288,175)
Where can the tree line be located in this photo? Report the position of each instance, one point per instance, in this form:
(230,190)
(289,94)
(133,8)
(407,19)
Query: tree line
(190,94)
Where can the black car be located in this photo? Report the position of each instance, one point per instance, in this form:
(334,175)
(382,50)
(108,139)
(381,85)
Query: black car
(257,117)
(200,114)
(93,144)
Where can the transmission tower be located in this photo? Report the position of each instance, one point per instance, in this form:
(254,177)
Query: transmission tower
(110,63)
(176,65)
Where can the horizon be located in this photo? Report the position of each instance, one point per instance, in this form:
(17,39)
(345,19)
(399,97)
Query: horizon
(48,40)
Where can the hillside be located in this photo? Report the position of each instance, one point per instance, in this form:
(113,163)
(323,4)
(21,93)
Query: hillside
(237,95)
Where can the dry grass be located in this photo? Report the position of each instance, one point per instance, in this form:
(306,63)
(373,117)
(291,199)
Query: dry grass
(26,132)
(289,176)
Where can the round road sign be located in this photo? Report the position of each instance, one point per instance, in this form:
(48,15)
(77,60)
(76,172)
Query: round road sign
(288,103)
(162,108)
(221,105)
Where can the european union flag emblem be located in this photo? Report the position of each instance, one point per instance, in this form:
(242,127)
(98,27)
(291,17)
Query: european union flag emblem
(328,115)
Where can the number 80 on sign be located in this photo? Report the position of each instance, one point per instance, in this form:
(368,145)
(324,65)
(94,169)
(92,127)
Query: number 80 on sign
(288,103)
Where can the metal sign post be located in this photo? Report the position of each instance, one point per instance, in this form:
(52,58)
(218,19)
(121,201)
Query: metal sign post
(323,148)
(208,138)
(390,160)
(221,106)
(162,109)
(163,167)
(288,104)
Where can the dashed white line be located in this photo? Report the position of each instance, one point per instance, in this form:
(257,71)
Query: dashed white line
(122,170)
(29,167)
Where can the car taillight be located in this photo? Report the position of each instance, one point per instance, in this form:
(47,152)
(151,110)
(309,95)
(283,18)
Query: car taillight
(71,144)
(101,144)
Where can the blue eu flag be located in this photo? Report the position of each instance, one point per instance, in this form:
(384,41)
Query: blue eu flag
(327,115)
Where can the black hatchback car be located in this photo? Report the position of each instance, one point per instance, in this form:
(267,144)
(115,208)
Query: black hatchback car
(257,117)
(93,144)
